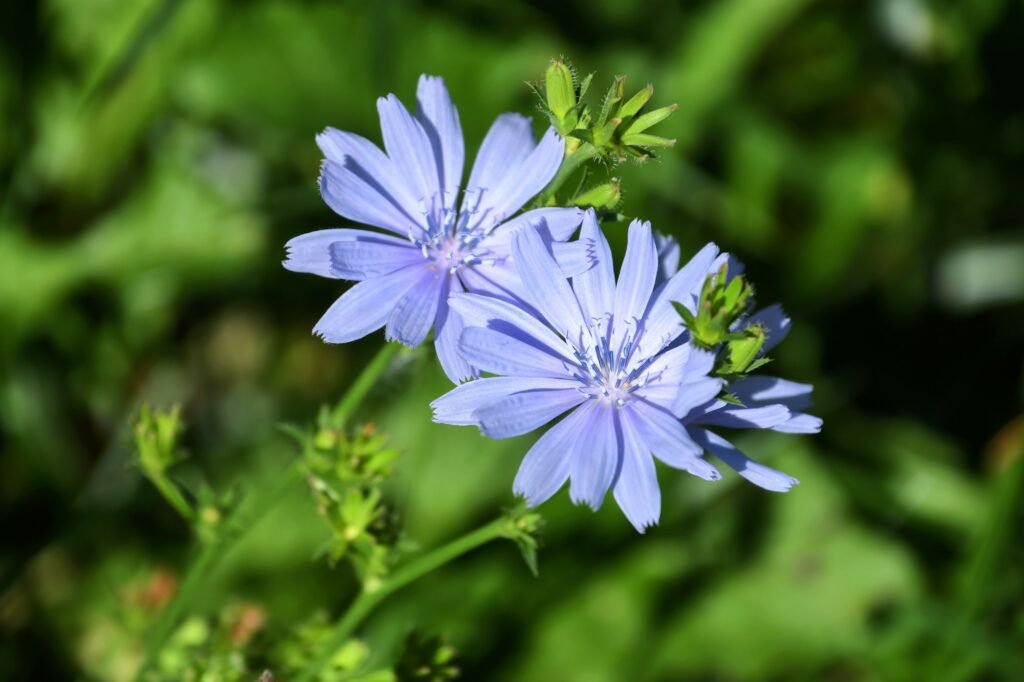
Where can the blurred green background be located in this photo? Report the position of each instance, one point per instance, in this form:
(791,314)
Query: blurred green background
(866,159)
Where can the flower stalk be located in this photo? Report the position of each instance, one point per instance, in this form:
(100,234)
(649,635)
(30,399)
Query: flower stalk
(517,527)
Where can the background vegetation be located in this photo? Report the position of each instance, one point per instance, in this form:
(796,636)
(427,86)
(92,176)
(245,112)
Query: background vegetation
(864,159)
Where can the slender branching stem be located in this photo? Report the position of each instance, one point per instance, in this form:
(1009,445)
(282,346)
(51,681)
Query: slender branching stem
(373,593)
(244,517)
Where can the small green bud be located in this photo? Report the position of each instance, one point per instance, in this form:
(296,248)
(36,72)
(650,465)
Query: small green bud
(722,303)
(644,141)
(605,196)
(561,93)
(740,353)
(649,119)
(637,102)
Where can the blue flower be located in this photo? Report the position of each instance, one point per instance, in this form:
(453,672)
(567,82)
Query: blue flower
(768,402)
(607,351)
(439,246)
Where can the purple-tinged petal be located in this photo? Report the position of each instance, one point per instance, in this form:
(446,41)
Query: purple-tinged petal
(367,161)
(800,423)
(662,322)
(636,277)
(372,256)
(545,287)
(761,389)
(668,257)
(545,468)
(493,313)
(448,328)
(458,406)
(509,141)
(595,288)
(353,193)
(412,318)
(440,121)
(765,417)
(523,412)
(495,352)
(756,473)
(366,306)
(409,148)
(636,488)
(696,393)
(669,440)
(526,179)
(595,454)
(775,322)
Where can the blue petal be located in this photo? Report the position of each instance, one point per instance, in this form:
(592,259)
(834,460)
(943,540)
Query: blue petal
(372,255)
(545,468)
(447,330)
(409,148)
(545,287)
(662,381)
(636,489)
(359,196)
(573,258)
(495,352)
(559,222)
(595,288)
(364,159)
(800,423)
(500,281)
(765,417)
(459,405)
(412,318)
(668,257)
(669,440)
(509,141)
(523,412)
(762,389)
(366,306)
(636,278)
(595,454)
(487,311)
(311,252)
(758,474)
(775,322)
(526,179)
(440,121)
(696,393)
(662,321)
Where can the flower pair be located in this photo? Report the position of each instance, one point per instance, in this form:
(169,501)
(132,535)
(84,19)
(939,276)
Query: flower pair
(546,319)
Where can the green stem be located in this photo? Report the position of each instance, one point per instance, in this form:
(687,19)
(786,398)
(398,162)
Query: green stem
(570,164)
(363,383)
(173,495)
(371,596)
(238,524)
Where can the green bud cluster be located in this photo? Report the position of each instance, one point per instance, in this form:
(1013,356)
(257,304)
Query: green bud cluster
(620,129)
(717,324)
(523,527)
(157,433)
(345,473)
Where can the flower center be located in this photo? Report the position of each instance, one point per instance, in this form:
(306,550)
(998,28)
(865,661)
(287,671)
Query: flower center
(603,366)
(452,238)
